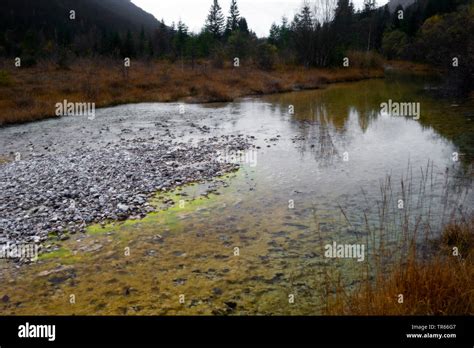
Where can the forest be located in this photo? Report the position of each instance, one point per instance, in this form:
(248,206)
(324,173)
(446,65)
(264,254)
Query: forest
(321,34)
(326,41)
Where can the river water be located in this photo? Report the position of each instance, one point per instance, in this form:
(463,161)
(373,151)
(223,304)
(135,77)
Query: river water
(327,168)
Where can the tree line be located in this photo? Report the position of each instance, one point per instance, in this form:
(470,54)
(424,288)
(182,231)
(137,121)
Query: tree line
(321,34)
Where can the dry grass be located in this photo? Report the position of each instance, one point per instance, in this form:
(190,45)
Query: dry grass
(28,94)
(433,271)
(412,67)
(368,60)
(442,285)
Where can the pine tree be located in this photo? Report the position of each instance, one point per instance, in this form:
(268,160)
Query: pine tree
(180,38)
(243,26)
(303,34)
(128,48)
(115,43)
(215,20)
(304,20)
(369,5)
(343,22)
(274,36)
(141,42)
(234,17)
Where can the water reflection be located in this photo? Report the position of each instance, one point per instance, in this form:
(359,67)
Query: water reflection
(337,106)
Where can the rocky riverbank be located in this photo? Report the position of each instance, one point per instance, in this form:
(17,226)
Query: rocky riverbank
(64,192)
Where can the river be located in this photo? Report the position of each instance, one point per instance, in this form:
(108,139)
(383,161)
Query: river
(327,166)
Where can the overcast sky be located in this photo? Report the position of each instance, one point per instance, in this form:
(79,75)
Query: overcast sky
(260,14)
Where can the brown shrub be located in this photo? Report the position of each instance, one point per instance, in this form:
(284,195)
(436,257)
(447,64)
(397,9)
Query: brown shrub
(359,59)
(441,285)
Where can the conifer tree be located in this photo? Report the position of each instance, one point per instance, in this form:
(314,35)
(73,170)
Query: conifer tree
(234,17)
(215,20)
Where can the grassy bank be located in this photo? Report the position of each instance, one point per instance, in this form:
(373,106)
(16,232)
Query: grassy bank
(412,269)
(29,94)
(413,67)
(440,285)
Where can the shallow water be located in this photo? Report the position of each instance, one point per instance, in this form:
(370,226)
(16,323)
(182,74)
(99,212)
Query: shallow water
(317,171)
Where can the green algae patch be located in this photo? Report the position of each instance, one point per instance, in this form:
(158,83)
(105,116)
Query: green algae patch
(61,254)
(170,207)
(97,229)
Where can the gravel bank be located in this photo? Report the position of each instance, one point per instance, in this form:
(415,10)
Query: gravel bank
(65,192)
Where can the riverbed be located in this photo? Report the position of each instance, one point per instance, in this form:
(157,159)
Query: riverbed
(322,165)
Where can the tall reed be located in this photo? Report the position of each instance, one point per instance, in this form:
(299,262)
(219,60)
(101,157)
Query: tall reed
(420,239)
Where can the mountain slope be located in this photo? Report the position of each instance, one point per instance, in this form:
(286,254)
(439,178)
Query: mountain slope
(42,14)
(393,4)
(30,26)
(130,13)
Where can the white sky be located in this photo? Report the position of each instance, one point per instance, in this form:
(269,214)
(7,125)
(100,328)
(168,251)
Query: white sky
(260,14)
